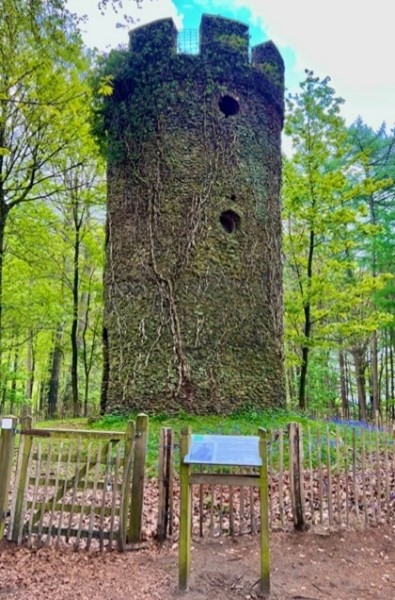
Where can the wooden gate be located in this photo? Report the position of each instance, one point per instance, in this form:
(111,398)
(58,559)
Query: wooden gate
(73,486)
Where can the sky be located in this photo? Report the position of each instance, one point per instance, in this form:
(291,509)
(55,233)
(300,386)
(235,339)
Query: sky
(348,40)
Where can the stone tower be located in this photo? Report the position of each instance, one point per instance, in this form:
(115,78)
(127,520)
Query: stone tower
(193,280)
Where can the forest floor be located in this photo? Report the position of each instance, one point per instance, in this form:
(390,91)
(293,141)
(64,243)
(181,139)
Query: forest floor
(347,565)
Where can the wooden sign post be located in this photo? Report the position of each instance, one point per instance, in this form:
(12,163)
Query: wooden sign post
(264,496)
(184,546)
(225,450)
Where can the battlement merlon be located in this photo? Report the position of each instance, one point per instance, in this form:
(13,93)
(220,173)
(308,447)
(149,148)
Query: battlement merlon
(220,36)
(158,38)
(267,59)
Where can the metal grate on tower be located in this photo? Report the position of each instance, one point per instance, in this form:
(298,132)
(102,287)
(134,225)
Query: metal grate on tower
(188,41)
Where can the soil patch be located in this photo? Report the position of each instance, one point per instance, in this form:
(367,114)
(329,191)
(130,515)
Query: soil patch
(347,565)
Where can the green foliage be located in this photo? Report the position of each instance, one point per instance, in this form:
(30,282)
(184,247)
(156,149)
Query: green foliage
(375,160)
(46,143)
(322,382)
(236,42)
(322,440)
(272,72)
(238,423)
(102,81)
(329,295)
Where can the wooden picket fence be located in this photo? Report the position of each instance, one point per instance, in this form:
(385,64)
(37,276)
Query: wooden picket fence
(320,475)
(87,487)
(73,485)
(346,475)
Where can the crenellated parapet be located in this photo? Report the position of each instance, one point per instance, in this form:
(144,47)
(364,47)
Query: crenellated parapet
(224,51)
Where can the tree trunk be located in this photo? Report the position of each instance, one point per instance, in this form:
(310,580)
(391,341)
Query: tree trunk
(359,362)
(84,324)
(4,209)
(42,397)
(343,385)
(289,387)
(74,328)
(3,220)
(6,368)
(87,357)
(303,377)
(14,379)
(350,387)
(106,372)
(386,374)
(30,365)
(307,326)
(392,373)
(375,374)
(88,352)
(3,398)
(56,363)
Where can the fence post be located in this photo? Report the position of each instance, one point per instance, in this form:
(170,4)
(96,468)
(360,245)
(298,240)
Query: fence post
(264,493)
(137,501)
(25,414)
(170,476)
(296,475)
(184,544)
(127,475)
(7,441)
(165,480)
(25,447)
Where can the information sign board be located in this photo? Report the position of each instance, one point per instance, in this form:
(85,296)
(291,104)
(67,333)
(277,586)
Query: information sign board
(6,423)
(225,450)
(230,450)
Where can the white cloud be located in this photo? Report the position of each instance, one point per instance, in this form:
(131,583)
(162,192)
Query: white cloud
(101,31)
(159,9)
(349,37)
(349,40)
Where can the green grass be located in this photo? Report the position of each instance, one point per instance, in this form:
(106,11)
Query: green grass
(240,423)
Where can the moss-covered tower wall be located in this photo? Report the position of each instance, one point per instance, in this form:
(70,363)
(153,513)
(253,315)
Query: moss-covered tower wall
(193,281)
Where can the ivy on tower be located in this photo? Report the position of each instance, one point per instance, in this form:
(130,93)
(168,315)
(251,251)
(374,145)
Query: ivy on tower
(193,280)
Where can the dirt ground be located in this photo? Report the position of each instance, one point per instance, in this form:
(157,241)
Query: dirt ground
(351,565)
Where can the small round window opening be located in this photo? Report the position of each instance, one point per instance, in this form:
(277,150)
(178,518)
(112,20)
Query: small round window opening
(229,105)
(230,221)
